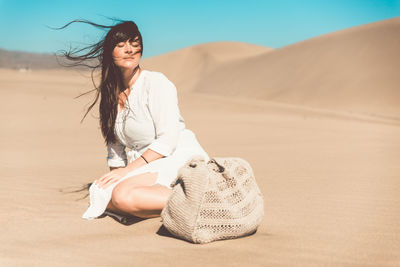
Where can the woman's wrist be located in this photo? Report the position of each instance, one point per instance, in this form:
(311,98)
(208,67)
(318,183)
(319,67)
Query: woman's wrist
(139,162)
(144,159)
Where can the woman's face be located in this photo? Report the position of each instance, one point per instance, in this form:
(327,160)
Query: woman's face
(126,54)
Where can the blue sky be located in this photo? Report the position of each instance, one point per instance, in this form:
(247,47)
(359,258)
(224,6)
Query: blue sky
(170,25)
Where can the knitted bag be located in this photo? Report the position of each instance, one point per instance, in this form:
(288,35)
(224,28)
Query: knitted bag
(213,200)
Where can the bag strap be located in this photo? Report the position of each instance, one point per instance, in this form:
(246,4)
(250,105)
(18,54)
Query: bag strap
(220,167)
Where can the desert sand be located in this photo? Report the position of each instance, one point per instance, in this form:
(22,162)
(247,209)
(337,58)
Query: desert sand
(325,153)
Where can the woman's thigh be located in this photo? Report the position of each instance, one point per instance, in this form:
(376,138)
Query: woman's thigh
(143,179)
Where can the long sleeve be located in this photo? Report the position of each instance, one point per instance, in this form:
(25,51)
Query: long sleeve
(116,155)
(163,107)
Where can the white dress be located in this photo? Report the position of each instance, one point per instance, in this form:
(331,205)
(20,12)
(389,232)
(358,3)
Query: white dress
(150,120)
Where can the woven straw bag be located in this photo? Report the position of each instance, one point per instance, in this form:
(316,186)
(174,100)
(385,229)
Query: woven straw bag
(213,200)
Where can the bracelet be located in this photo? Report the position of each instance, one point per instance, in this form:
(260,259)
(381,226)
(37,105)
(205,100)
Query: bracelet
(144,159)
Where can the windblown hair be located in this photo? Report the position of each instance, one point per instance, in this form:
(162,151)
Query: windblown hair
(99,55)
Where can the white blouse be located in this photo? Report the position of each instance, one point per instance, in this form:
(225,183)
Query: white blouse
(152,119)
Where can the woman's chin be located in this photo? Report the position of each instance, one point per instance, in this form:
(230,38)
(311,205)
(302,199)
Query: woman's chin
(127,66)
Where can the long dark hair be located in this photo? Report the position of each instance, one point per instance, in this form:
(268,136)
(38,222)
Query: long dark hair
(99,55)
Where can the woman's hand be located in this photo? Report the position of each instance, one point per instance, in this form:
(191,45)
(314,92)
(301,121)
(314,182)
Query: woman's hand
(111,177)
(116,174)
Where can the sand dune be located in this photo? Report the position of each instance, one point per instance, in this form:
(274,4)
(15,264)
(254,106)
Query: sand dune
(354,70)
(187,66)
(330,179)
(24,60)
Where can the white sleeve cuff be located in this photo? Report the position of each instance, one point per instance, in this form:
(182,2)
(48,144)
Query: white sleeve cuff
(116,155)
(116,162)
(161,148)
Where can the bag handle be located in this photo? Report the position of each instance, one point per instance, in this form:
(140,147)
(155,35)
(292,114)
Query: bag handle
(220,167)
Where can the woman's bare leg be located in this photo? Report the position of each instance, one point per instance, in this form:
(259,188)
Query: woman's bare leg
(145,179)
(139,196)
(144,202)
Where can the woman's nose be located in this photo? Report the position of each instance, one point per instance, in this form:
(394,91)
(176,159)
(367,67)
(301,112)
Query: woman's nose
(128,49)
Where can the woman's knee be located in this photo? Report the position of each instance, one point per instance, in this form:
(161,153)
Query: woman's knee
(127,199)
(122,190)
(118,197)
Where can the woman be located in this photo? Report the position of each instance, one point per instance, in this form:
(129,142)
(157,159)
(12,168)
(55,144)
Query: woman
(138,110)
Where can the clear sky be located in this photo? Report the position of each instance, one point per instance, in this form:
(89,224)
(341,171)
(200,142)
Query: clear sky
(168,25)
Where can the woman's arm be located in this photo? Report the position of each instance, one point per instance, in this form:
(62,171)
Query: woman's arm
(149,155)
(164,110)
(116,173)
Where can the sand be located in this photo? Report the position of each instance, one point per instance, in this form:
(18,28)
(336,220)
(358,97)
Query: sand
(330,177)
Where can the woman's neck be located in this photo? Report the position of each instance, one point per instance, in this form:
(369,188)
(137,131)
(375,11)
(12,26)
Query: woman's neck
(129,76)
